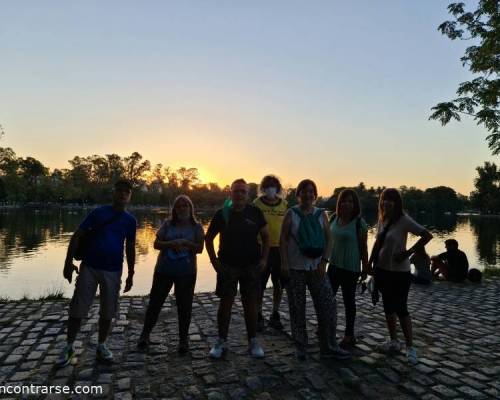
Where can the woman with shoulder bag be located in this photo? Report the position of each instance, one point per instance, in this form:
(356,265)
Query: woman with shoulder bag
(305,245)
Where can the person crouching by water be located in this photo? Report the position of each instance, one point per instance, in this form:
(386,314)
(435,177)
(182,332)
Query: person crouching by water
(392,267)
(99,243)
(240,260)
(179,239)
(305,245)
(274,208)
(349,252)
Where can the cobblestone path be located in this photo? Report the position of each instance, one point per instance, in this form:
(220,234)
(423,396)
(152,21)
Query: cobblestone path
(457,336)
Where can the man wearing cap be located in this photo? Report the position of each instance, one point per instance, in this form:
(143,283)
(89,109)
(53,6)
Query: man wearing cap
(99,243)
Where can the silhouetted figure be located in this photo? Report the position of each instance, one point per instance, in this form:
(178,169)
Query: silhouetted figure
(99,242)
(274,207)
(390,260)
(422,262)
(452,264)
(179,239)
(240,260)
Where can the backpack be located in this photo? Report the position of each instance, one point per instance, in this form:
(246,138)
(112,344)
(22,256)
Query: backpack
(475,275)
(226,211)
(310,236)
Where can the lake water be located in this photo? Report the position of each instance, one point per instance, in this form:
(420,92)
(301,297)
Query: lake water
(33,246)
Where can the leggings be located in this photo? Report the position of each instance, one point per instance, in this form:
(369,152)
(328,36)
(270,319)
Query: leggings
(324,305)
(347,280)
(394,286)
(184,290)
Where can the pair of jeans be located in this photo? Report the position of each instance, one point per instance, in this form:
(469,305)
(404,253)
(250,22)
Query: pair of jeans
(347,281)
(184,291)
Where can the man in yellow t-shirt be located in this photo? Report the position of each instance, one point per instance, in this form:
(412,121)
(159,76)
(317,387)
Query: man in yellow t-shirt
(274,208)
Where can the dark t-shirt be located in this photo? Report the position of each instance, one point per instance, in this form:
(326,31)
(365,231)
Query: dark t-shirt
(458,265)
(238,242)
(106,244)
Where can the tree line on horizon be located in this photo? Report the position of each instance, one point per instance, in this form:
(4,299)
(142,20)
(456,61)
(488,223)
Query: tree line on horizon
(89,180)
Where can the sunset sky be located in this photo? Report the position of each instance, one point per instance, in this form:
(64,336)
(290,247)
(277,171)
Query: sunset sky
(339,91)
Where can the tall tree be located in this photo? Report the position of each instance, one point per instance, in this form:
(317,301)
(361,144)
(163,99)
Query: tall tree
(116,168)
(9,163)
(188,177)
(486,197)
(135,168)
(478,97)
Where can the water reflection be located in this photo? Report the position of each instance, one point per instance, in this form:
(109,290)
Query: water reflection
(33,247)
(487,233)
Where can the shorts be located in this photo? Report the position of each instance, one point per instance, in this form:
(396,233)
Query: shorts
(273,269)
(229,277)
(88,279)
(394,286)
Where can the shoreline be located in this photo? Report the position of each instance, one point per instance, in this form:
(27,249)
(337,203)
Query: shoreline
(73,207)
(166,208)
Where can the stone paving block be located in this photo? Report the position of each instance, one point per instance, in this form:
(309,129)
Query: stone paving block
(444,391)
(13,359)
(453,365)
(34,355)
(21,376)
(472,393)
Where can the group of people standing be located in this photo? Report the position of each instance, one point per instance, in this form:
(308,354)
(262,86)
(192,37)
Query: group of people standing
(298,247)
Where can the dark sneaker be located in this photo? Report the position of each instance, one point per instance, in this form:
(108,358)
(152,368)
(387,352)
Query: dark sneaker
(335,353)
(390,346)
(103,354)
(143,343)
(183,346)
(340,354)
(260,323)
(275,321)
(347,342)
(65,357)
(301,354)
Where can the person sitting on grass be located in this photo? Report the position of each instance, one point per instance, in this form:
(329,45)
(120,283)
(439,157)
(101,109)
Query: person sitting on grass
(452,265)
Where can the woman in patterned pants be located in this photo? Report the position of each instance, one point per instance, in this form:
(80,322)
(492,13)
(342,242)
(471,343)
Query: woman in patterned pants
(306,267)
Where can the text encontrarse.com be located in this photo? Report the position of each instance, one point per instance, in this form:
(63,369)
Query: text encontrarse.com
(45,389)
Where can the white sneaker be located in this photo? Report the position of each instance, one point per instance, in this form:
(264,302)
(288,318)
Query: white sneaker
(390,346)
(411,355)
(218,349)
(255,349)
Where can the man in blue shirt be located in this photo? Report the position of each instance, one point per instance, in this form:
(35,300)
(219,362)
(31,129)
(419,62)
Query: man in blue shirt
(99,243)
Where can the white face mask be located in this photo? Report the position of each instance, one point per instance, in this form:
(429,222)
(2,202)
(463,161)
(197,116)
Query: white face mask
(271,192)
